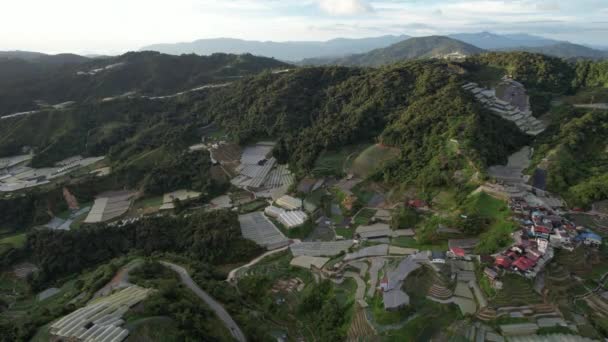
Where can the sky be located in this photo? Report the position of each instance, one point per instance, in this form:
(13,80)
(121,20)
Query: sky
(117,26)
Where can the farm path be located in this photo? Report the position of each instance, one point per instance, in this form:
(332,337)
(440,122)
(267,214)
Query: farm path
(213,304)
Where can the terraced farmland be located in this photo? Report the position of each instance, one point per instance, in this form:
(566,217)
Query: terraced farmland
(360,329)
(517,291)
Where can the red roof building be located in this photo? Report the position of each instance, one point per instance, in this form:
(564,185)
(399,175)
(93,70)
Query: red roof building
(417,203)
(541,230)
(523,264)
(502,261)
(458,251)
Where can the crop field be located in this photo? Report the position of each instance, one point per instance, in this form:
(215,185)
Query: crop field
(360,329)
(517,291)
(371,159)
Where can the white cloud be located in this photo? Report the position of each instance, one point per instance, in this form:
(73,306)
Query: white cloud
(345,7)
(548,6)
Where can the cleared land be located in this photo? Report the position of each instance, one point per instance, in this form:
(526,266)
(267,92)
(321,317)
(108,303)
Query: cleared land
(372,158)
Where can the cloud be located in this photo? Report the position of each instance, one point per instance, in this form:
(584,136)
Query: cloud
(548,6)
(345,7)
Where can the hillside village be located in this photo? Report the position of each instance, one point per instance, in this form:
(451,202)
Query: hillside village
(488,255)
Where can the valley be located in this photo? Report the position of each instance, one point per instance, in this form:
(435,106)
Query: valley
(395,198)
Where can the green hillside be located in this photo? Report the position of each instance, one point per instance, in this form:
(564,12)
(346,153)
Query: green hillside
(147,73)
(413,48)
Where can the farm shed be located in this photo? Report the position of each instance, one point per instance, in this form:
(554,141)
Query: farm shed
(308,262)
(292,219)
(289,202)
(257,228)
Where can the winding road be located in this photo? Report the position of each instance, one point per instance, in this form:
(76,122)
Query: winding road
(213,304)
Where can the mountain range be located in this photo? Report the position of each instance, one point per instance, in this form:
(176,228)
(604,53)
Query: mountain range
(340,48)
(288,51)
(413,48)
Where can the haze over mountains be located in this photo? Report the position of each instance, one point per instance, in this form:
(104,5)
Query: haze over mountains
(339,48)
(289,51)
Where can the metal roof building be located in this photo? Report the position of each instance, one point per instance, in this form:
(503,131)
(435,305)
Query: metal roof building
(289,202)
(292,219)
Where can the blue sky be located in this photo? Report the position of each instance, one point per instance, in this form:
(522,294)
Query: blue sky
(114,26)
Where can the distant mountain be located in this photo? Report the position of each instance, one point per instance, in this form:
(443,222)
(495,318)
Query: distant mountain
(149,73)
(288,51)
(413,48)
(44,59)
(492,41)
(566,50)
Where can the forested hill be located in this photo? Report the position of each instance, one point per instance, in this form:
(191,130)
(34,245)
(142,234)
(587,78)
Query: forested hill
(23,83)
(416,106)
(566,50)
(413,48)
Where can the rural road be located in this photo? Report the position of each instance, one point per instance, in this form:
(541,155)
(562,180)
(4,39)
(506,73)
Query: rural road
(232,274)
(213,304)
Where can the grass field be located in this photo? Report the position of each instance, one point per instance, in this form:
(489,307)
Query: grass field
(334,163)
(148,202)
(371,159)
(15,241)
(346,233)
(498,234)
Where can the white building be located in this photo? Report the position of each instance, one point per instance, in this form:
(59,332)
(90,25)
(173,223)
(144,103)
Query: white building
(273,211)
(289,203)
(292,219)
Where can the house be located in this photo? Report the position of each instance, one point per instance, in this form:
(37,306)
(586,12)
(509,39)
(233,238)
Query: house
(438,257)
(289,203)
(418,204)
(490,273)
(503,262)
(457,252)
(541,231)
(384,283)
(590,239)
(523,264)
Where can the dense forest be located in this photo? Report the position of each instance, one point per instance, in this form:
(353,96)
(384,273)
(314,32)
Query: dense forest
(147,73)
(417,106)
(207,237)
